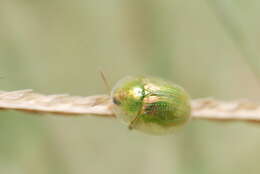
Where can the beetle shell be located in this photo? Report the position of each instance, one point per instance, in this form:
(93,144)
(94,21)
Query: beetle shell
(150,104)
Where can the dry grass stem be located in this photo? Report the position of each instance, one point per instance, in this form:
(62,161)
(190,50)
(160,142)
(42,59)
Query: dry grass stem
(101,105)
(27,100)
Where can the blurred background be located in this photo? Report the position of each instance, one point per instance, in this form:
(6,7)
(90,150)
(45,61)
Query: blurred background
(210,47)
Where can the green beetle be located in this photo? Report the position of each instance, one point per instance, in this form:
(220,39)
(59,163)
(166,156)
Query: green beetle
(150,104)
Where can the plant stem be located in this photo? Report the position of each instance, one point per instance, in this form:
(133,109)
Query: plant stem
(101,105)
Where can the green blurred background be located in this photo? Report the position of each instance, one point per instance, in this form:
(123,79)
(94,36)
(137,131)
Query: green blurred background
(210,47)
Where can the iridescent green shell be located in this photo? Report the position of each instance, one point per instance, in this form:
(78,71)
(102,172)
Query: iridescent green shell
(151,105)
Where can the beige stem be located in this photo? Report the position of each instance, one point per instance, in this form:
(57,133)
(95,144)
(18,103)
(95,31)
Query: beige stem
(101,105)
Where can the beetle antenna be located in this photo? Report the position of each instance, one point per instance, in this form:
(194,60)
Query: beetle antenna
(105,81)
(132,123)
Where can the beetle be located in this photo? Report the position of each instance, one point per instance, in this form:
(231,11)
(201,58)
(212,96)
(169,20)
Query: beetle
(150,104)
